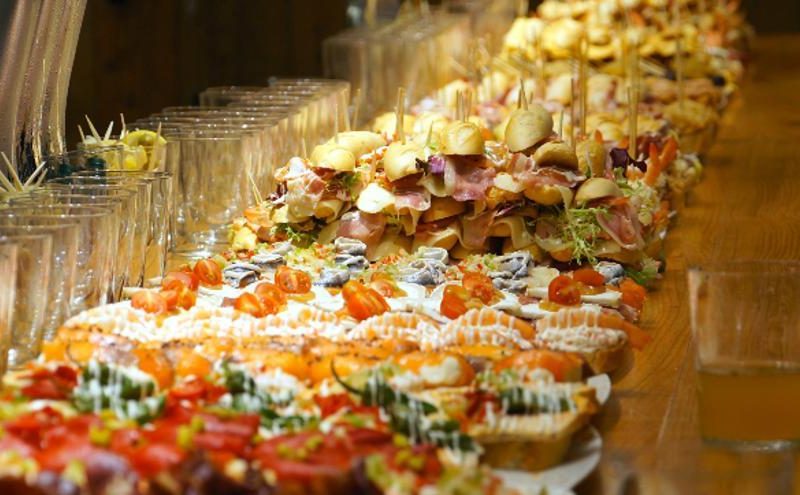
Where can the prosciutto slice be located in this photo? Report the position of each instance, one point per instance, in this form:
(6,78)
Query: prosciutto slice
(416,198)
(468,178)
(525,171)
(622,225)
(475,230)
(304,188)
(366,227)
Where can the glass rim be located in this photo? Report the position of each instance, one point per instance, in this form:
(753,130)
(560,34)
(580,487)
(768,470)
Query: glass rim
(746,267)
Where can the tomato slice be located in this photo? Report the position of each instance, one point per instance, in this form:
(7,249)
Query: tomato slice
(271,292)
(155,363)
(633,294)
(479,286)
(152,459)
(589,276)
(191,363)
(292,281)
(454,301)
(171,298)
(149,301)
(563,290)
(208,272)
(564,366)
(362,301)
(387,288)
(250,304)
(174,280)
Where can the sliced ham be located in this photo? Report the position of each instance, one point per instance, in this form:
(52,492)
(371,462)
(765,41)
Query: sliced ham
(468,177)
(524,170)
(475,230)
(416,198)
(622,225)
(304,188)
(366,227)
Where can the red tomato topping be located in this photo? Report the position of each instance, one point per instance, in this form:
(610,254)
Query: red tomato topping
(208,272)
(362,301)
(250,304)
(149,301)
(479,286)
(454,301)
(174,280)
(588,276)
(563,290)
(292,281)
(268,291)
(633,294)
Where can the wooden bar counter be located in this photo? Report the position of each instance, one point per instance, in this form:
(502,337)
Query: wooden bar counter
(747,206)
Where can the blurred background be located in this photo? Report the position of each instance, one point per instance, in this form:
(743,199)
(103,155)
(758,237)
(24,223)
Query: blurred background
(138,56)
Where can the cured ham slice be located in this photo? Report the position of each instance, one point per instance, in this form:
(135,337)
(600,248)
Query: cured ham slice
(366,227)
(475,230)
(468,178)
(524,170)
(416,198)
(622,225)
(304,188)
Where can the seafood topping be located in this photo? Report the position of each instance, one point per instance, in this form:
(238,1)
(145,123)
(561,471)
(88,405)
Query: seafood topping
(433,253)
(268,261)
(423,272)
(332,277)
(352,262)
(346,245)
(241,274)
(613,272)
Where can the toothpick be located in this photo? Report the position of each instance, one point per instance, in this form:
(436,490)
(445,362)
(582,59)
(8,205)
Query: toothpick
(676,12)
(336,121)
(583,78)
(458,104)
(633,120)
(303,147)
(256,193)
(561,125)
(370,12)
(356,108)
(343,106)
(430,136)
(124,130)
(572,110)
(540,70)
(154,150)
(14,176)
(522,99)
(93,129)
(7,185)
(399,115)
(108,130)
(32,179)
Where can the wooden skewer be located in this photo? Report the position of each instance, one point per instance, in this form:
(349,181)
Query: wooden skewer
(303,147)
(83,136)
(399,113)
(13,171)
(7,185)
(522,98)
(583,78)
(679,55)
(356,108)
(430,136)
(343,106)
(156,144)
(336,121)
(32,179)
(572,111)
(370,12)
(561,125)
(256,193)
(109,129)
(124,130)
(540,70)
(633,119)
(93,129)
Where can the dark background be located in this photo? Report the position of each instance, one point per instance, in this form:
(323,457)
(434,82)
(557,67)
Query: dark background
(138,56)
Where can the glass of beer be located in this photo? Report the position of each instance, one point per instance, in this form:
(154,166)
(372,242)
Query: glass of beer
(745,317)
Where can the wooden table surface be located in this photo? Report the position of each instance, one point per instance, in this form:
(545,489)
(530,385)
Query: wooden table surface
(746,207)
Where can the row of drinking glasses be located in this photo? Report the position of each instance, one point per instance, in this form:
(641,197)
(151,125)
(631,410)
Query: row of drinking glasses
(79,240)
(420,51)
(225,150)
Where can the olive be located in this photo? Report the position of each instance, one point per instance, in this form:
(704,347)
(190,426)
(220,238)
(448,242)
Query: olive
(96,163)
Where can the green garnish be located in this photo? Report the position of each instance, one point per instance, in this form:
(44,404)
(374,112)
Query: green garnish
(296,236)
(581,230)
(646,274)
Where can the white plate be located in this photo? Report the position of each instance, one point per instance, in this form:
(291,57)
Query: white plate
(581,459)
(602,387)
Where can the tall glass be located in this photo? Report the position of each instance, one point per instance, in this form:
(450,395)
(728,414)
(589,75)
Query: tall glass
(745,318)
(162,224)
(62,274)
(97,236)
(8,290)
(142,225)
(122,265)
(30,303)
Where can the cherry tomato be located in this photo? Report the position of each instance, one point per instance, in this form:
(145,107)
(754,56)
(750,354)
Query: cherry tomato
(563,290)
(454,301)
(479,286)
(588,276)
(171,297)
(208,272)
(186,298)
(633,294)
(190,363)
(149,301)
(250,304)
(174,280)
(155,363)
(387,288)
(266,290)
(292,281)
(362,301)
